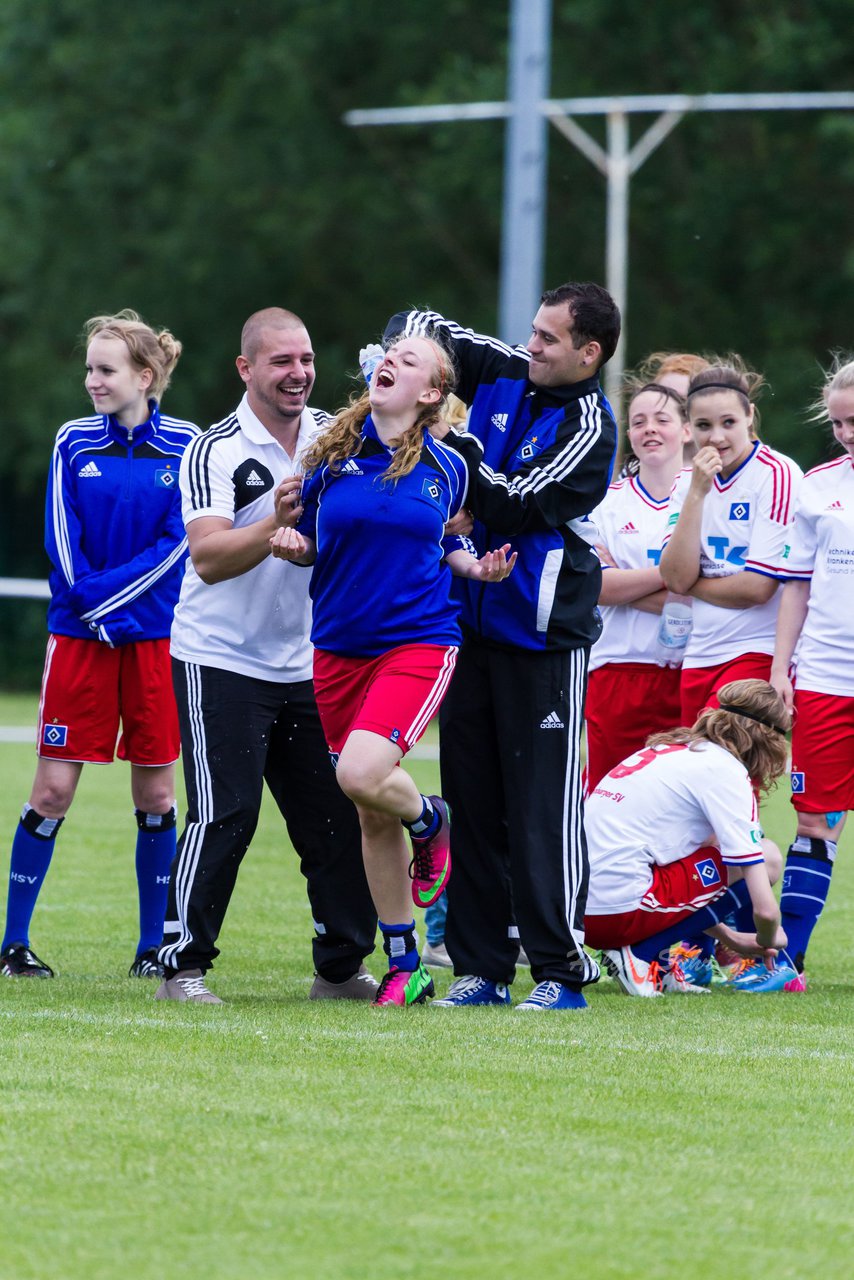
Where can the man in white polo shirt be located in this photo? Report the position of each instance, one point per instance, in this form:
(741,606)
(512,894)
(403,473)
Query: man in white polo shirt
(242,665)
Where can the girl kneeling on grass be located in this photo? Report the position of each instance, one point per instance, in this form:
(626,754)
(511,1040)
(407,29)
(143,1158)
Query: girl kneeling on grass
(674,840)
(378,494)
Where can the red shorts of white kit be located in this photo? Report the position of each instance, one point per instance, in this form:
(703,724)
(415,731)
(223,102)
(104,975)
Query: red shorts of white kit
(626,702)
(699,685)
(822,752)
(677,892)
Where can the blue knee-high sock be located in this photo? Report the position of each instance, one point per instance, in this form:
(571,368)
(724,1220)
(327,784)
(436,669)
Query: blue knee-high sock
(32,850)
(155,849)
(400,945)
(806,882)
(734,899)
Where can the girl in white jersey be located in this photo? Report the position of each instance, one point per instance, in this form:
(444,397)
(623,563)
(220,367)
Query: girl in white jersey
(674,841)
(629,696)
(727,537)
(817,617)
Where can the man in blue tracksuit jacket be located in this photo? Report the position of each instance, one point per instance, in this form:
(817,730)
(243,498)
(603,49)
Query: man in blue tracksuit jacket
(539,447)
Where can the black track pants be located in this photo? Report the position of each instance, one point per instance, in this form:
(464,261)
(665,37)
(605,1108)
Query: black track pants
(236,733)
(510,734)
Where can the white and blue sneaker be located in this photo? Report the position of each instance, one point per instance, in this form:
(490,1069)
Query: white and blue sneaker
(759,980)
(471,990)
(553,995)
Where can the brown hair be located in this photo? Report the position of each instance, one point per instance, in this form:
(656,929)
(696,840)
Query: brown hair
(750,723)
(342,439)
(147,348)
(730,374)
(631,463)
(268,318)
(659,364)
(595,314)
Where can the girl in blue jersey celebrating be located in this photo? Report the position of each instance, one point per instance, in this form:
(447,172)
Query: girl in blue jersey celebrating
(376,500)
(115,538)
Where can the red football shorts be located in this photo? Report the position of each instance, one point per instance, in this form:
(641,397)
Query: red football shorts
(394,695)
(699,685)
(89,689)
(626,702)
(822,752)
(677,892)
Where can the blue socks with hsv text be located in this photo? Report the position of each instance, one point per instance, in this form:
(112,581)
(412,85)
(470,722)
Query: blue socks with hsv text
(806,883)
(734,899)
(155,850)
(400,945)
(32,850)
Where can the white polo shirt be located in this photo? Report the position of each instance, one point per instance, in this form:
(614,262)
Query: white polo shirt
(256,624)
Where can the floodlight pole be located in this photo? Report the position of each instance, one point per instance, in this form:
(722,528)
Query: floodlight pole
(526,150)
(618,162)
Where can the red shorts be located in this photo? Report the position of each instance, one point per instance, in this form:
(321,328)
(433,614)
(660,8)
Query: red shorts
(394,695)
(822,752)
(626,702)
(88,689)
(700,684)
(677,891)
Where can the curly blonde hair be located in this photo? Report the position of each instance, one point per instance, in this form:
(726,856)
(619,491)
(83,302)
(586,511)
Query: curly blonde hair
(148,349)
(750,723)
(342,439)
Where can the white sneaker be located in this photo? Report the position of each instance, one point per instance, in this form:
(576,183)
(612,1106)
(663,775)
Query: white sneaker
(187,984)
(635,976)
(676,980)
(435,956)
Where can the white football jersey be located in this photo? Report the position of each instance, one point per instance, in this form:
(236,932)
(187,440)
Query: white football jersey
(658,806)
(631,525)
(744,526)
(822,552)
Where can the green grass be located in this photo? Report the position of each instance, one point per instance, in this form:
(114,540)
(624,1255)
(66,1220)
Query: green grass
(276,1138)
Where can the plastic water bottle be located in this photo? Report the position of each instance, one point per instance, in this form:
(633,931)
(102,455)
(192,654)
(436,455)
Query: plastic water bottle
(673,631)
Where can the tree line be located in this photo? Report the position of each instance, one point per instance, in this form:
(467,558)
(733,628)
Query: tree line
(191,162)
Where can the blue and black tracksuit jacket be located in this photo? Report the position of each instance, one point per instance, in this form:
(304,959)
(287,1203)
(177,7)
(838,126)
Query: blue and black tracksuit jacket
(539,460)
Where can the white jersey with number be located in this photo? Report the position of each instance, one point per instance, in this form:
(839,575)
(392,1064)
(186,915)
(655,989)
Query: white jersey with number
(822,553)
(631,525)
(745,525)
(659,806)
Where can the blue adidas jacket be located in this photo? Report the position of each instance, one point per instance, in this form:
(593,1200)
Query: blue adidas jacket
(539,460)
(113,528)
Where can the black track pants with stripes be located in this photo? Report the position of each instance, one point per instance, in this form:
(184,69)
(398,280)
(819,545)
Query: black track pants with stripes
(237,733)
(510,734)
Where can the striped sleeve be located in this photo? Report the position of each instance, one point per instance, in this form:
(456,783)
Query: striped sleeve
(770,530)
(207,487)
(561,483)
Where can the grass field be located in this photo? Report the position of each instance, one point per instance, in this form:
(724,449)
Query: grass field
(272,1137)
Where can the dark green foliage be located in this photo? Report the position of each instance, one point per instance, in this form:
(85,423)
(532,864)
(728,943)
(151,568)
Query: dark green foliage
(191,162)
